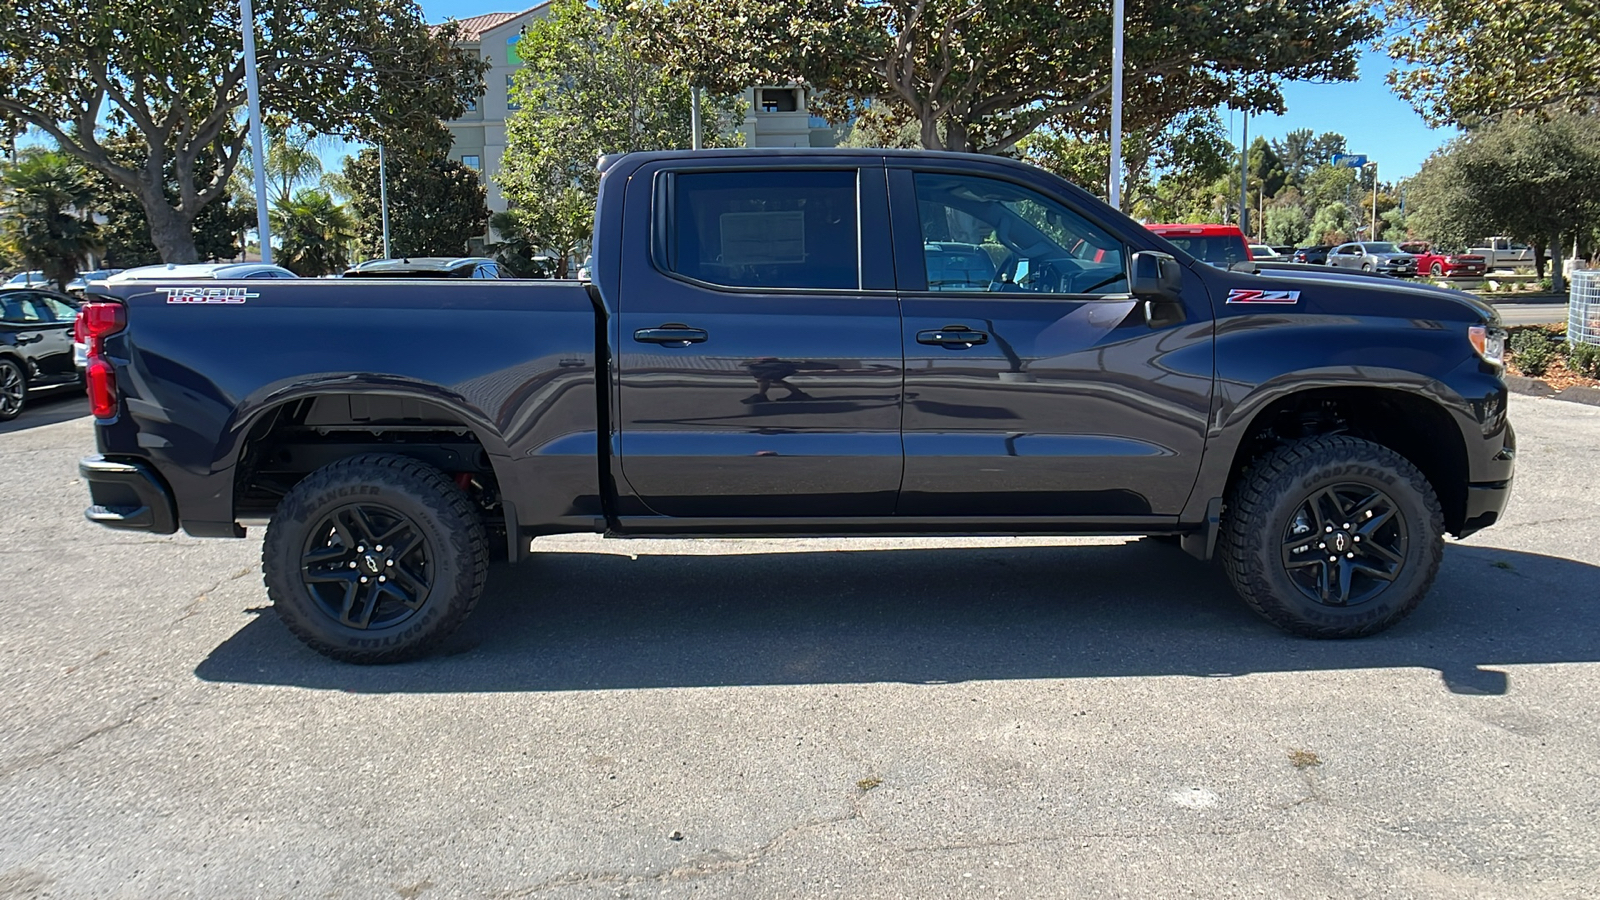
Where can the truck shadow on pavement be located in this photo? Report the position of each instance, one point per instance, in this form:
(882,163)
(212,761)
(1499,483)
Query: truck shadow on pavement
(600,621)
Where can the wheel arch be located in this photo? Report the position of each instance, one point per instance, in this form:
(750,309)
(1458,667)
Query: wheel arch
(409,417)
(1408,414)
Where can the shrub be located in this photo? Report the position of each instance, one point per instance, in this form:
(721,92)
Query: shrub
(1584,359)
(1532,351)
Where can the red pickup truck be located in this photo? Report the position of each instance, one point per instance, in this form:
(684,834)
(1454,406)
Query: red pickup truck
(1444,265)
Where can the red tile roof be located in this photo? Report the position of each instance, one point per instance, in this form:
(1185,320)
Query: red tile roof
(473,29)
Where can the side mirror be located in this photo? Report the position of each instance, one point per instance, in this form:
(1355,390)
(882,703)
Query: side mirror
(1154,275)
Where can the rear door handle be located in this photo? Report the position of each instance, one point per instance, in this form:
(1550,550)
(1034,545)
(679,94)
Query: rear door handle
(30,339)
(955,337)
(671,334)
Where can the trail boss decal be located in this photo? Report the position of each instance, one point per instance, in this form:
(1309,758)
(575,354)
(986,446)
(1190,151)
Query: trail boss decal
(216,294)
(1263,296)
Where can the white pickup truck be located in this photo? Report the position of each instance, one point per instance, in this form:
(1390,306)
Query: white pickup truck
(1503,253)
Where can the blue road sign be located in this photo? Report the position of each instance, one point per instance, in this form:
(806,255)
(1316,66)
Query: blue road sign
(1352,160)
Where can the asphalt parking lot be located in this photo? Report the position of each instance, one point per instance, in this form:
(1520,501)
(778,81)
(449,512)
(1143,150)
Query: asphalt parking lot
(821,718)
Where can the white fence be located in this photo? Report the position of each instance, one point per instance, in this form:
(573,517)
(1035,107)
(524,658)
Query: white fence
(1583,309)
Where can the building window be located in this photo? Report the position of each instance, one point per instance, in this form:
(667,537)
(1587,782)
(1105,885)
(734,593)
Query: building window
(471,162)
(511,100)
(779,100)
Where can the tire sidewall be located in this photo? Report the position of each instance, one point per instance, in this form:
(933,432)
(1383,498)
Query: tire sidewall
(1422,530)
(314,499)
(22,376)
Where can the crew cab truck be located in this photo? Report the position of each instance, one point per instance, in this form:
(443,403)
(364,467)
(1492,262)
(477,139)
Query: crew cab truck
(762,352)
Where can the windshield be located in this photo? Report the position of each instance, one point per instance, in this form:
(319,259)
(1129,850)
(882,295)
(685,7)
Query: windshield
(1381,247)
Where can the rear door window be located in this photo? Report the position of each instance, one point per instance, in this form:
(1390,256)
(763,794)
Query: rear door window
(763,229)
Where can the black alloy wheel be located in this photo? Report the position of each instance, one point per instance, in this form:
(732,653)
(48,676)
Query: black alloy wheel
(366,565)
(374,559)
(1332,536)
(13,390)
(1345,545)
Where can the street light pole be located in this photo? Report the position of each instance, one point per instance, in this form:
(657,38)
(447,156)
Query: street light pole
(1114,187)
(383,198)
(1244,174)
(252,90)
(1374,200)
(695,140)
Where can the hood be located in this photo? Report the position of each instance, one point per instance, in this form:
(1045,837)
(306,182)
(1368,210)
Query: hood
(1321,279)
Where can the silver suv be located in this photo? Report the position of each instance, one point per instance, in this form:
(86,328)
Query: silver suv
(1373,256)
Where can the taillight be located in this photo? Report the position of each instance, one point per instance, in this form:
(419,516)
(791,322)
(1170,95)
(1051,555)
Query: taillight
(79,331)
(98,320)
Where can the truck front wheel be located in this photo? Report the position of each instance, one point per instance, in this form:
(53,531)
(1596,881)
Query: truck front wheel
(1333,537)
(374,559)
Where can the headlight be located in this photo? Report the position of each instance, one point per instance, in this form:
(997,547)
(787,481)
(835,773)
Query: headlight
(1489,342)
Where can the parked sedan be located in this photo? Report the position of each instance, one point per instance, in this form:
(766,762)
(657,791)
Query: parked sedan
(1316,256)
(35,346)
(1373,256)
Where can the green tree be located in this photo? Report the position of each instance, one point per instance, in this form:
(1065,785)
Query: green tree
(218,229)
(46,223)
(585,90)
(1472,61)
(436,205)
(1302,150)
(1287,224)
(1327,184)
(1192,149)
(1265,168)
(314,234)
(1531,177)
(1332,224)
(174,73)
(980,75)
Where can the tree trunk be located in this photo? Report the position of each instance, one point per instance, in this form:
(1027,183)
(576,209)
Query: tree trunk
(1557,283)
(172,233)
(1538,260)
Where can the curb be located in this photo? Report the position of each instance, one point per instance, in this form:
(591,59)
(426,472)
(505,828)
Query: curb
(1537,387)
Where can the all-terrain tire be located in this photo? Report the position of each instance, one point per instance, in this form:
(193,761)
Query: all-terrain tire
(13,389)
(1322,483)
(410,595)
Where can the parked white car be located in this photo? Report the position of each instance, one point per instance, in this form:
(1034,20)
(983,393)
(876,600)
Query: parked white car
(1263,253)
(200,271)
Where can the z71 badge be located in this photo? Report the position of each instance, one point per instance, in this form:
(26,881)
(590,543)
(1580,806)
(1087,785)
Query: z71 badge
(1263,296)
(211,294)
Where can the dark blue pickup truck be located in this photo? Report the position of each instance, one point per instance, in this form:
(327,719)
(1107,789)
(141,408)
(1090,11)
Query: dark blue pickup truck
(808,343)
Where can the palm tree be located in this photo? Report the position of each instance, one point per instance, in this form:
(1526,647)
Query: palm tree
(46,224)
(314,233)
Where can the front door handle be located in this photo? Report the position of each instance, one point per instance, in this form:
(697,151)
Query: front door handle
(671,334)
(954,337)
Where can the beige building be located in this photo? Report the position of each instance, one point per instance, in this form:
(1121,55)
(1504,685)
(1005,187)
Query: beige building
(478,138)
(775,116)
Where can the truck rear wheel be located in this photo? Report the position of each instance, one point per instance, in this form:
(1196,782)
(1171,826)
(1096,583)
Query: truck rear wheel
(374,559)
(1333,537)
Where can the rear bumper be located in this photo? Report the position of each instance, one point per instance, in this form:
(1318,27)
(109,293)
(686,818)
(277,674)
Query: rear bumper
(127,495)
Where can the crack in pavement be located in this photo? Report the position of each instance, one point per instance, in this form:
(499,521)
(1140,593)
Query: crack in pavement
(709,863)
(193,606)
(36,760)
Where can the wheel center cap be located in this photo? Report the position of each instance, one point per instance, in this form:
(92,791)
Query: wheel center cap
(1341,541)
(370,563)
